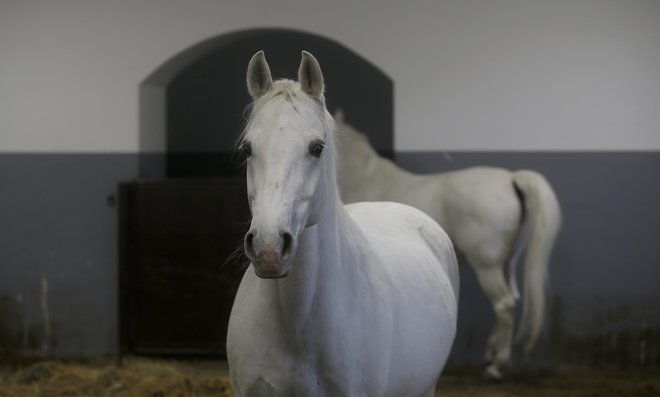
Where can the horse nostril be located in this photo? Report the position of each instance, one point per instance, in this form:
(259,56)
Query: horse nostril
(249,246)
(287,242)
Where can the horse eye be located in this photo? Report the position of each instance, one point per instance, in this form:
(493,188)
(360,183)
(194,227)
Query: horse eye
(316,148)
(245,149)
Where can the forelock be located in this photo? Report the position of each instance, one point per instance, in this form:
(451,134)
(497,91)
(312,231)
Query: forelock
(290,91)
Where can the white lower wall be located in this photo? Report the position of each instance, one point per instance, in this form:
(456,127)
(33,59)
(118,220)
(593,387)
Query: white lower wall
(469,75)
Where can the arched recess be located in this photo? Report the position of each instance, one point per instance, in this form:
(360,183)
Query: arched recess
(192,107)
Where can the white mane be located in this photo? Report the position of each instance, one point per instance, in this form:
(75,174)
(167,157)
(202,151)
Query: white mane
(289,91)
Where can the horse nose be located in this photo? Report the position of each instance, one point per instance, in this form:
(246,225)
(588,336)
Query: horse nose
(249,246)
(287,243)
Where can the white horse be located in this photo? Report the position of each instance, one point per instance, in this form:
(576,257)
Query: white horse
(337,301)
(492,215)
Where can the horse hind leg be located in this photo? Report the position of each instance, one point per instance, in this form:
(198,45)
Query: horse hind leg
(498,352)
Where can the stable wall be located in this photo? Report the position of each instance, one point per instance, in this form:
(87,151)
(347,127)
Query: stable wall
(488,82)
(476,75)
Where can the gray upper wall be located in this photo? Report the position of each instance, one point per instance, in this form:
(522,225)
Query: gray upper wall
(469,75)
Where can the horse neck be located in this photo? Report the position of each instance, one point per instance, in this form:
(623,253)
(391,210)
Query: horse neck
(326,268)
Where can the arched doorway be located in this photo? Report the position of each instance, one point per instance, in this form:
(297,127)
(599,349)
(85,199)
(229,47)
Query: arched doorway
(192,107)
(177,230)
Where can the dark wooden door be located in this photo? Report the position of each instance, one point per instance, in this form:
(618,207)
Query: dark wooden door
(181,263)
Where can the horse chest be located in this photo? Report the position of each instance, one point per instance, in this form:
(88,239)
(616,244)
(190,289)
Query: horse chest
(281,374)
(304,360)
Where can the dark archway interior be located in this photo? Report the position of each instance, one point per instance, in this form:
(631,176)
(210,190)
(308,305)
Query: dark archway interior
(206,101)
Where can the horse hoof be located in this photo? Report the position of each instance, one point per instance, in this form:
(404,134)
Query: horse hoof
(492,375)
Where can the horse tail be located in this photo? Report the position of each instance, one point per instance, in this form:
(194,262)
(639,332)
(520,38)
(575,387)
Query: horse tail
(541,223)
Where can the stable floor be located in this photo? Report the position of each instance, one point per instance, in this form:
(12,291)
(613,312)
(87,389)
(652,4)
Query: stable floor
(141,377)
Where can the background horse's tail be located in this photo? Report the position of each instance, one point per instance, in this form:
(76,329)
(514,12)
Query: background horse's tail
(543,220)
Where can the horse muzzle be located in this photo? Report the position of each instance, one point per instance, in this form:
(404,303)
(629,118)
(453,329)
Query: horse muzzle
(270,265)
(272,259)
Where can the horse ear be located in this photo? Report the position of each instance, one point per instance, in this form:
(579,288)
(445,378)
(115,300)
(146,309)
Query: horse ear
(310,76)
(259,80)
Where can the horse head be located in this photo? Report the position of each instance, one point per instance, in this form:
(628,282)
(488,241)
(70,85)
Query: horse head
(289,169)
